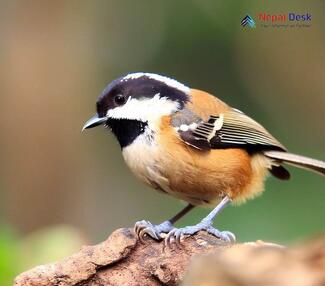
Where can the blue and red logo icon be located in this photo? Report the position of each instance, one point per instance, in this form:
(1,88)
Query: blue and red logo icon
(248,21)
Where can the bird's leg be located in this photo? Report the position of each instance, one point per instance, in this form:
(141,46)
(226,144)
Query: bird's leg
(205,224)
(143,227)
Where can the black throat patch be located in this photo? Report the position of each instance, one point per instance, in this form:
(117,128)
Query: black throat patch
(126,130)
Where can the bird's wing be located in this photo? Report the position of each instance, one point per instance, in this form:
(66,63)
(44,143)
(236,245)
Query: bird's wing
(229,129)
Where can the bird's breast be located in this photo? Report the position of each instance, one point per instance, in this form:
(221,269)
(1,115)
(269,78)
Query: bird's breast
(143,157)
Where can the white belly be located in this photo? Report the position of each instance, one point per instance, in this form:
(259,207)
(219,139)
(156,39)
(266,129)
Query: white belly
(142,157)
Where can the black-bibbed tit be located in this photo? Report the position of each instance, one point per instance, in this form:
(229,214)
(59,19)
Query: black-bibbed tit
(189,144)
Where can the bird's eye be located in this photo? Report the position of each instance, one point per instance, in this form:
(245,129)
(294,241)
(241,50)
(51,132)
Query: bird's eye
(119,99)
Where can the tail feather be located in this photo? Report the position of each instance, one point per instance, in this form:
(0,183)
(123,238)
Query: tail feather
(317,166)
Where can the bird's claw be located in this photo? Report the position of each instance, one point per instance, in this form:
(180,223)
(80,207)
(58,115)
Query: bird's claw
(145,228)
(176,234)
(226,236)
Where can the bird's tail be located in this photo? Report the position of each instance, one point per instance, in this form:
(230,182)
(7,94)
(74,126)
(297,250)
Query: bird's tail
(317,166)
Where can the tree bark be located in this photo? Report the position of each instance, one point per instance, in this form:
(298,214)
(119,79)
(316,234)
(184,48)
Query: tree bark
(202,260)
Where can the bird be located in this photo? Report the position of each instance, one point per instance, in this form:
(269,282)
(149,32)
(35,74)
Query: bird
(189,144)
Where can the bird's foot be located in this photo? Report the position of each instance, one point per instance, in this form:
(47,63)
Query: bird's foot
(176,234)
(145,228)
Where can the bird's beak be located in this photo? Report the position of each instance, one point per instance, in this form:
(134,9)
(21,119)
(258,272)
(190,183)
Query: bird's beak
(94,121)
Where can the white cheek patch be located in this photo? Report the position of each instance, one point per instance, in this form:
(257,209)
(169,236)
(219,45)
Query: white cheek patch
(146,109)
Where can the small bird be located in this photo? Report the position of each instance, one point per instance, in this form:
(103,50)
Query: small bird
(189,144)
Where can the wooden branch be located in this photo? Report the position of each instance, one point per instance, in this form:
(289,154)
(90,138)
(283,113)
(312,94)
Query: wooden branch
(202,260)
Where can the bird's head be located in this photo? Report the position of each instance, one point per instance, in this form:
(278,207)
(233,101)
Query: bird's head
(131,104)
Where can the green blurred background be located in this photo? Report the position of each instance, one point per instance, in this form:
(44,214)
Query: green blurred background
(61,188)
